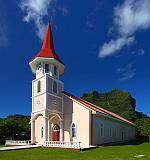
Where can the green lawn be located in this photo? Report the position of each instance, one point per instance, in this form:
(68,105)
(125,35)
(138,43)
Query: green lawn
(2,145)
(126,152)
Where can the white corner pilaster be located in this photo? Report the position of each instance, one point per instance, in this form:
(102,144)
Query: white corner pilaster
(46,92)
(45,138)
(61,131)
(48,132)
(32,130)
(62,100)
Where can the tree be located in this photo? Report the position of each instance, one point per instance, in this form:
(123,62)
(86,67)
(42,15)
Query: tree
(143,126)
(15,127)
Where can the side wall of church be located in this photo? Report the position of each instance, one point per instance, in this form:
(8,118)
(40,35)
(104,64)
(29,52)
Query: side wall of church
(108,130)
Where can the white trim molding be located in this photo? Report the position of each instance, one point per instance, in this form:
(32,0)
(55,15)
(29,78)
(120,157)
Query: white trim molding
(54,95)
(37,60)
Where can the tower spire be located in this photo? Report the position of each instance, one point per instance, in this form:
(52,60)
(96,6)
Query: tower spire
(47,50)
(47,54)
(48,39)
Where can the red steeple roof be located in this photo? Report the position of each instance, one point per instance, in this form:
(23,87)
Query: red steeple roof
(47,50)
(48,40)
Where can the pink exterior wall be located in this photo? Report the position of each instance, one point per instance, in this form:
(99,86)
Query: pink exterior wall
(75,113)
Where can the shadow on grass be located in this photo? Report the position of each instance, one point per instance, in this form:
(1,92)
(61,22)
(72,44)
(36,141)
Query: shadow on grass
(137,141)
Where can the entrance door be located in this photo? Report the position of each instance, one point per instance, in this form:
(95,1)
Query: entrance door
(56,132)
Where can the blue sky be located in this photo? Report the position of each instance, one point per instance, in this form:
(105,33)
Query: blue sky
(103,43)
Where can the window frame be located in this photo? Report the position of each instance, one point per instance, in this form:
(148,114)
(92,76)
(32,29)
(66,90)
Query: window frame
(73,129)
(101,130)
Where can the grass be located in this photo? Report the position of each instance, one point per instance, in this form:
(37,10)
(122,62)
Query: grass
(2,145)
(122,152)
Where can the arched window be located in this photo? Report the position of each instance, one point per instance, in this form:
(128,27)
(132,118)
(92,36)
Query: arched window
(101,130)
(73,130)
(42,132)
(39,86)
(55,87)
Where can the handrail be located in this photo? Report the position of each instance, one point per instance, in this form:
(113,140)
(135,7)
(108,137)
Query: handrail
(17,142)
(62,144)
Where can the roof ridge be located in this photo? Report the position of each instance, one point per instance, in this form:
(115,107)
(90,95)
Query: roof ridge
(78,99)
(99,109)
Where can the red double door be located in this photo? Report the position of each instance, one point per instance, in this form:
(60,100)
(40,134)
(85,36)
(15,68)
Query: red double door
(55,135)
(56,132)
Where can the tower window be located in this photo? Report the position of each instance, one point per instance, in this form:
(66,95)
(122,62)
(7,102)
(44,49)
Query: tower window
(55,89)
(101,130)
(39,86)
(73,130)
(55,70)
(46,68)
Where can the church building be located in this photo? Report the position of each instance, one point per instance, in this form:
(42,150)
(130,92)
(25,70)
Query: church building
(59,118)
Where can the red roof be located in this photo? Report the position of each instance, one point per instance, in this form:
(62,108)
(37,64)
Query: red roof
(98,109)
(48,50)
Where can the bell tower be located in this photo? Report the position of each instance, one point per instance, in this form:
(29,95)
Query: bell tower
(47,89)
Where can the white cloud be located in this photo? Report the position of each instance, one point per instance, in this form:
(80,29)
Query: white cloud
(130,17)
(139,52)
(90,19)
(64,10)
(115,45)
(3,30)
(89,23)
(127,72)
(35,11)
(3,36)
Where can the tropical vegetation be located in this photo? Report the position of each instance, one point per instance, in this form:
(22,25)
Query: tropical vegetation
(14,127)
